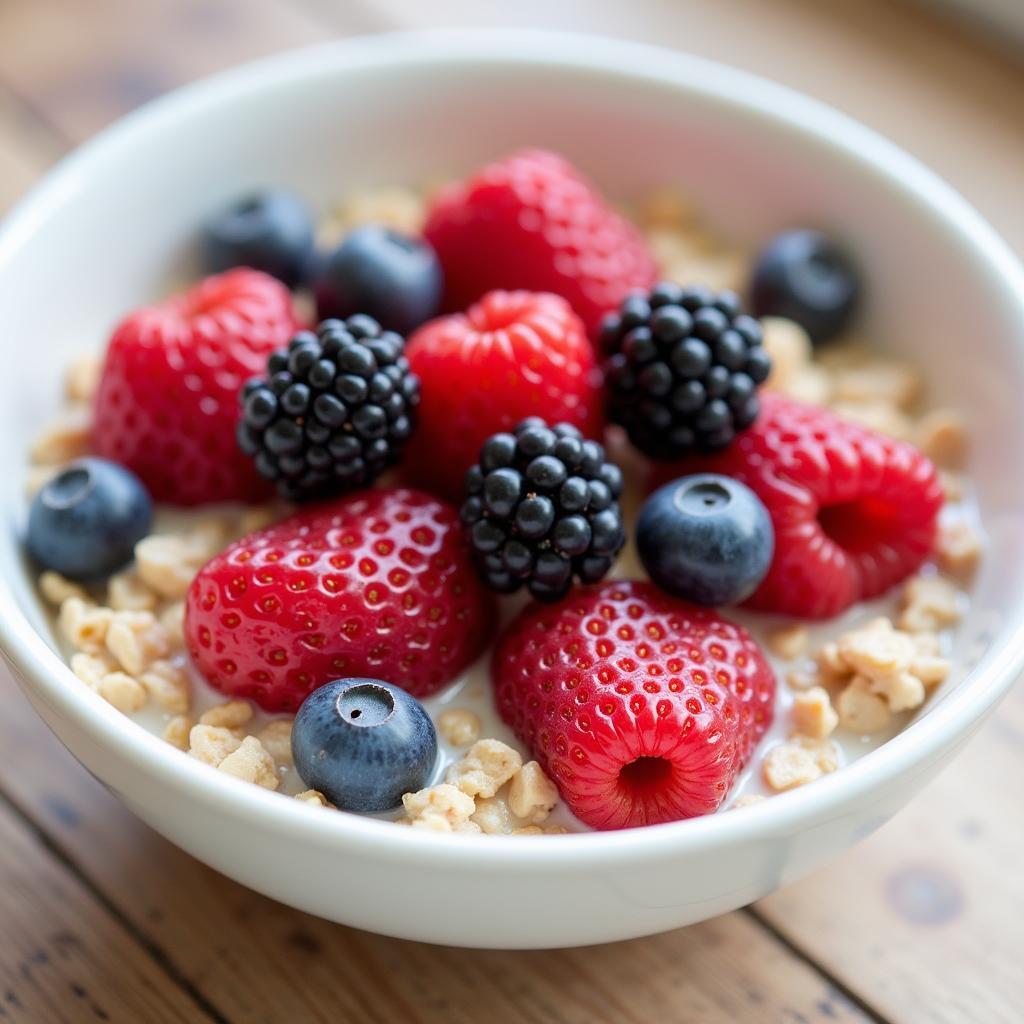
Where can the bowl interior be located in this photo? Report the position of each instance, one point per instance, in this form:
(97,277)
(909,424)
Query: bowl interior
(117,227)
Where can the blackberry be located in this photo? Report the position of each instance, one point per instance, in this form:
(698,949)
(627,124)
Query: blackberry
(333,412)
(542,509)
(682,368)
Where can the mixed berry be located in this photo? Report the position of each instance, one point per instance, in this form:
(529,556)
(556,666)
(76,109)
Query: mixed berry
(462,428)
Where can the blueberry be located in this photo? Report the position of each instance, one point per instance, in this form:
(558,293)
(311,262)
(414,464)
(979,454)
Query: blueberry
(86,521)
(395,279)
(706,538)
(804,276)
(270,231)
(363,743)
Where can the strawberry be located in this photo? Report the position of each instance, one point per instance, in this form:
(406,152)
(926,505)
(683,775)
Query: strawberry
(854,512)
(510,356)
(532,221)
(377,584)
(641,707)
(167,403)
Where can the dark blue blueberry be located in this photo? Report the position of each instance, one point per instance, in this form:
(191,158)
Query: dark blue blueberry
(804,276)
(86,521)
(363,743)
(706,538)
(395,279)
(271,231)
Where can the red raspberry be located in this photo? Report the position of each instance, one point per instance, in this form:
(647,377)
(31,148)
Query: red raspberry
(531,221)
(512,355)
(641,707)
(167,404)
(377,584)
(854,512)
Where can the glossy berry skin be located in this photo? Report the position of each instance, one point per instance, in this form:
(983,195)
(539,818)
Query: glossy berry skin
(542,509)
(682,366)
(642,708)
(380,583)
(377,271)
(705,538)
(334,410)
(804,276)
(85,522)
(363,743)
(510,356)
(531,221)
(854,512)
(167,403)
(270,231)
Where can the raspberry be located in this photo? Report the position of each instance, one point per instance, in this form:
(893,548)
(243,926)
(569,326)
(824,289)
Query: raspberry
(377,584)
(167,403)
(531,221)
(854,512)
(510,356)
(641,707)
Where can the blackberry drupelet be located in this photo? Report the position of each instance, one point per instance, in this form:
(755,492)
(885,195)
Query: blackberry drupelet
(682,367)
(334,411)
(542,508)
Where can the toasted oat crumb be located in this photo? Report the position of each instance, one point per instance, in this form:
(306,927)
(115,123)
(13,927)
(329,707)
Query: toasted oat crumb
(258,518)
(531,794)
(127,592)
(666,207)
(860,710)
(942,435)
(529,830)
(813,714)
(799,761)
(251,763)
(879,380)
(810,385)
(91,668)
(168,562)
(176,731)
(37,477)
(789,346)
(232,715)
(276,737)
(879,416)
(83,624)
(313,797)
(493,816)
(212,743)
(122,691)
(958,549)
(396,207)
(172,618)
(56,589)
(442,808)
(952,485)
(747,800)
(876,650)
(65,439)
(459,726)
(930,603)
(485,768)
(83,377)
(168,685)
(789,642)
(136,640)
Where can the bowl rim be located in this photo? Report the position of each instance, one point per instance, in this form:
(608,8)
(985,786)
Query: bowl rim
(50,679)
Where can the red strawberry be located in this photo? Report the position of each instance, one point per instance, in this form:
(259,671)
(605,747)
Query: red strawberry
(377,584)
(854,511)
(168,399)
(512,355)
(641,707)
(531,221)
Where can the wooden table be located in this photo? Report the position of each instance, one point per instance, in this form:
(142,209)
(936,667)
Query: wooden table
(101,919)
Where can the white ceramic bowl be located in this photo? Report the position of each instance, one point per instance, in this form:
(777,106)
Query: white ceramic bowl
(108,227)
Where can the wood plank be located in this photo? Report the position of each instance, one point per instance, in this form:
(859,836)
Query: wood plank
(920,919)
(63,956)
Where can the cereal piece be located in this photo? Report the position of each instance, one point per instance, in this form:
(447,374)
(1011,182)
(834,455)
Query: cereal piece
(37,477)
(232,715)
(902,691)
(83,377)
(313,797)
(91,668)
(879,416)
(876,650)
(276,737)
(172,618)
(860,710)
(211,744)
(485,768)
(789,346)
(122,691)
(831,666)
(65,439)
(952,485)
(789,642)
(811,385)
(813,714)
(258,518)
(798,761)
(493,816)
(531,794)
(747,800)
(83,624)
(801,679)
(529,830)
(958,549)
(177,730)
(167,563)
(126,592)
(666,207)
(878,381)
(459,726)
(56,589)
(930,603)
(168,685)
(136,639)
(930,669)
(395,207)
(251,763)
(205,539)
(942,436)
(443,808)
